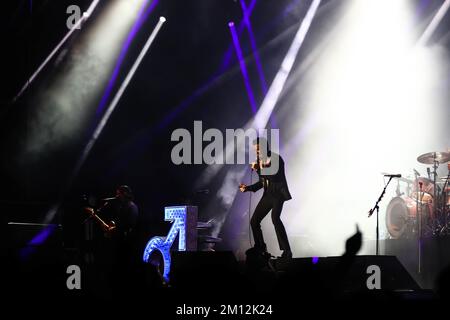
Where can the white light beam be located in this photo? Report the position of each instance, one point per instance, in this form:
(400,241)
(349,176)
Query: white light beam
(107,114)
(84,18)
(434,23)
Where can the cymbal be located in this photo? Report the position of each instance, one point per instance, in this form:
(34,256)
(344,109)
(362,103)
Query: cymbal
(431,157)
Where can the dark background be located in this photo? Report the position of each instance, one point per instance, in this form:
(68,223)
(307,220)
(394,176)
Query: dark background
(134,148)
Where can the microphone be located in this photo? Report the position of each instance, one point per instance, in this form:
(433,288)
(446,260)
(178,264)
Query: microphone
(258,161)
(393,175)
(109,199)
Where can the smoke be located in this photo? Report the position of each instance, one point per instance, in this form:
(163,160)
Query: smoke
(226,194)
(359,111)
(63,108)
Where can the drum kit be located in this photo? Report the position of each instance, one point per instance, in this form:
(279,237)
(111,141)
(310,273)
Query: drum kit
(423,210)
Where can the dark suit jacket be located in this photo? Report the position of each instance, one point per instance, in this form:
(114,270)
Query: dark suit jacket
(274,185)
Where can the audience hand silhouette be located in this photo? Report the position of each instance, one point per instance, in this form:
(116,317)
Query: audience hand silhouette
(353,244)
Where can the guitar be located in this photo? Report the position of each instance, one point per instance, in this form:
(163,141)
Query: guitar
(108,228)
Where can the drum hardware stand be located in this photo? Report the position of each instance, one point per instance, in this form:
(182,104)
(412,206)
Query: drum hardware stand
(377,208)
(435,202)
(419,198)
(419,227)
(397,190)
(446,212)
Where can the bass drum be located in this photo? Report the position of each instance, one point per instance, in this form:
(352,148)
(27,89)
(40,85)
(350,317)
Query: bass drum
(401,215)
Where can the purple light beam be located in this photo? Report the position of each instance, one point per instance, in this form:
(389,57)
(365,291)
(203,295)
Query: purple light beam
(244,72)
(142,17)
(251,35)
(229,53)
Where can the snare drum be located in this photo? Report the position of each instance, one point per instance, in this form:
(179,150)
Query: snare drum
(424,194)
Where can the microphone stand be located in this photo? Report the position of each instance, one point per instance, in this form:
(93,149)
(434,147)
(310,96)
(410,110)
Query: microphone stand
(418,220)
(377,208)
